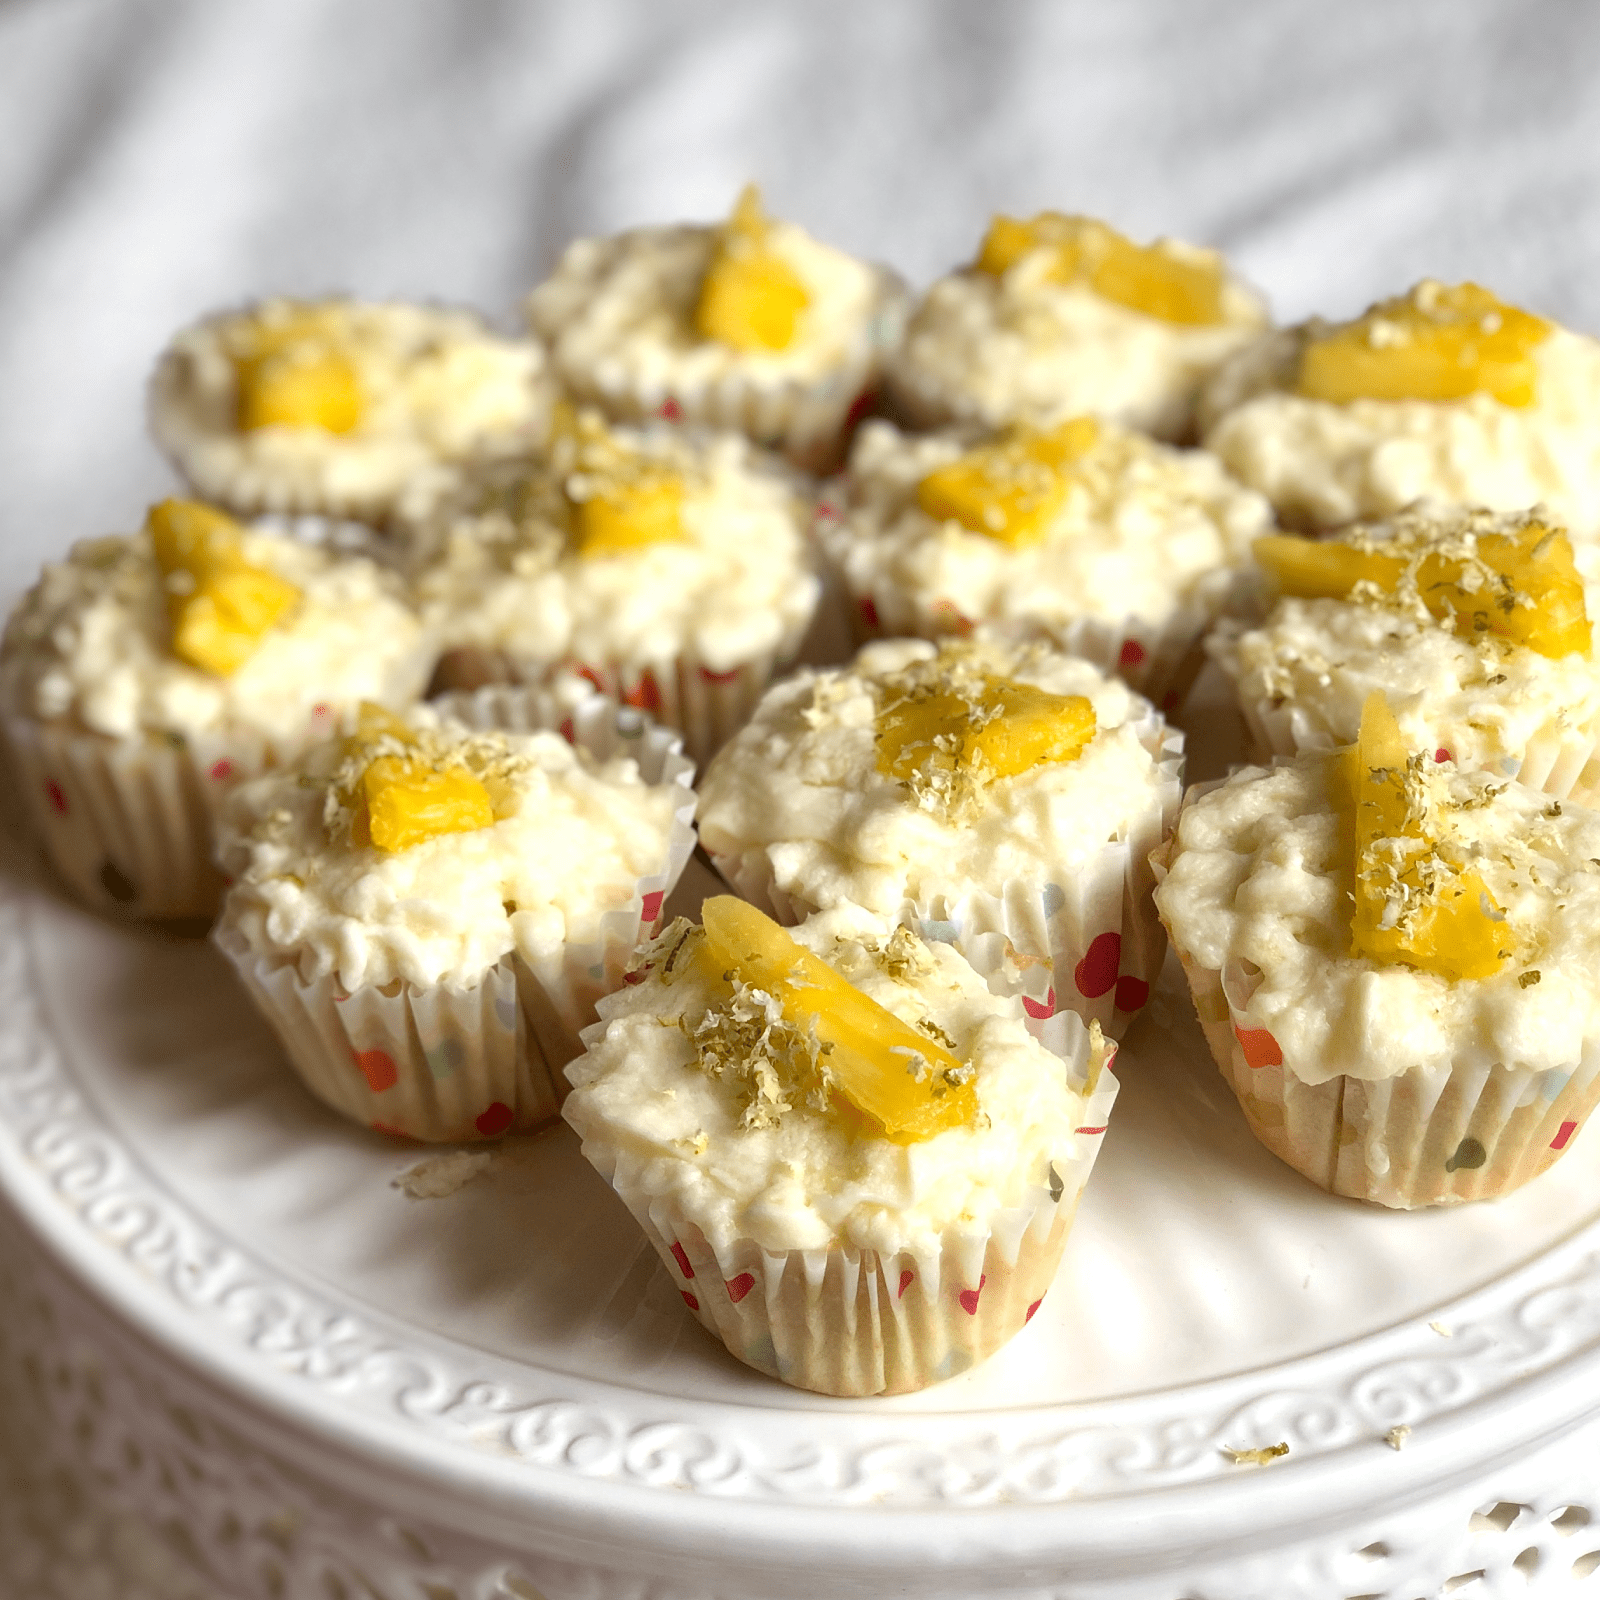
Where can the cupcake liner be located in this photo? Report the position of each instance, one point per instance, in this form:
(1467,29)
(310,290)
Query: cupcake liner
(1086,940)
(855,1322)
(807,419)
(1468,1132)
(474,1062)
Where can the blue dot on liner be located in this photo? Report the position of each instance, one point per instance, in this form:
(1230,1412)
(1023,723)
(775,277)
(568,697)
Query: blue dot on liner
(597,972)
(941,932)
(1055,897)
(1553,1083)
(506,1011)
(447,1058)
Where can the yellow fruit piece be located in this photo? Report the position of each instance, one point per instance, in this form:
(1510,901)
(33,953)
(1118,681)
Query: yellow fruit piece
(625,515)
(1013,489)
(293,372)
(402,802)
(1454,929)
(1160,283)
(908,1084)
(1008,728)
(1436,343)
(750,298)
(1524,587)
(219,607)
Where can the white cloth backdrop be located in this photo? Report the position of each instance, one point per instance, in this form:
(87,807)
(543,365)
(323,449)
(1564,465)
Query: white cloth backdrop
(159,158)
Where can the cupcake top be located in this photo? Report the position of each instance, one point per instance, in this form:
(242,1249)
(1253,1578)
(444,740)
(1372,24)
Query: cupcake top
(333,406)
(1473,624)
(422,850)
(1061,315)
(198,623)
(924,770)
(660,310)
(1472,933)
(1083,520)
(715,1092)
(622,547)
(1444,393)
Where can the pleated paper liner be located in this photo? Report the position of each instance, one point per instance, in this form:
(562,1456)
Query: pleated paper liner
(479,1059)
(1085,938)
(845,1321)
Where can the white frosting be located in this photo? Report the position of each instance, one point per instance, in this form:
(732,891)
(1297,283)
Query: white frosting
(738,585)
(436,386)
(807,1182)
(90,643)
(1016,347)
(571,839)
(618,313)
(1322,464)
(1145,529)
(801,783)
(1258,876)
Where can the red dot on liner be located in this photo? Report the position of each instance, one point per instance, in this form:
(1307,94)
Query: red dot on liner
(495,1120)
(592,676)
(645,695)
(1441,754)
(1260,1048)
(1101,1129)
(859,407)
(319,711)
(969,1297)
(689,1300)
(651,909)
(54,794)
(378,1068)
(869,612)
(1039,1010)
(718,677)
(567,731)
(1028,1314)
(1096,974)
(905,1283)
(671,410)
(681,1256)
(1565,1132)
(222,769)
(1131,653)
(1131,993)
(739,1287)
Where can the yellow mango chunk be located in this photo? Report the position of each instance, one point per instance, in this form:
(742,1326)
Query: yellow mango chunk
(1436,343)
(293,373)
(1013,489)
(750,298)
(1145,278)
(219,607)
(401,802)
(1007,729)
(624,515)
(1411,906)
(1523,586)
(906,1083)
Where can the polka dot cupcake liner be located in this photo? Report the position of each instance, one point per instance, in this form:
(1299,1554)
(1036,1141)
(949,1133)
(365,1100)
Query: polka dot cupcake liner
(1472,1131)
(854,1322)
(1084,939)
(478,1060)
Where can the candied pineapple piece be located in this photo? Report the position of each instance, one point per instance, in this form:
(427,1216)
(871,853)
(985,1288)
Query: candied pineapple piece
(219,607)
(1012,489)
(911,1086)
(626,514)
(1158,282)
(750,298)
(1006,729)
(1523,586)
(1411,905)
(1437,343)
(293,373)
(403,802)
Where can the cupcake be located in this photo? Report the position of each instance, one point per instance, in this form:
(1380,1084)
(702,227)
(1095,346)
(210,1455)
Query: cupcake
(855,1162)
(1474,625)
(671,569)
(982,793)
(749,325)
(1394,961)
(1119,549)
(1443,394)
(144,674)
(1061,316)
(334,406)
(427,911)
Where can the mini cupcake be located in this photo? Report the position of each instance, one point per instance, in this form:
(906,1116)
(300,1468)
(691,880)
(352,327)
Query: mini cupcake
(1119,549)
(672,570)
(427,911)
(1474,626)
(1394,962)
(1061,316)
(855,1161)
(972,791)
(334,406)
(1442,394)
(750,325)
(144,674)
